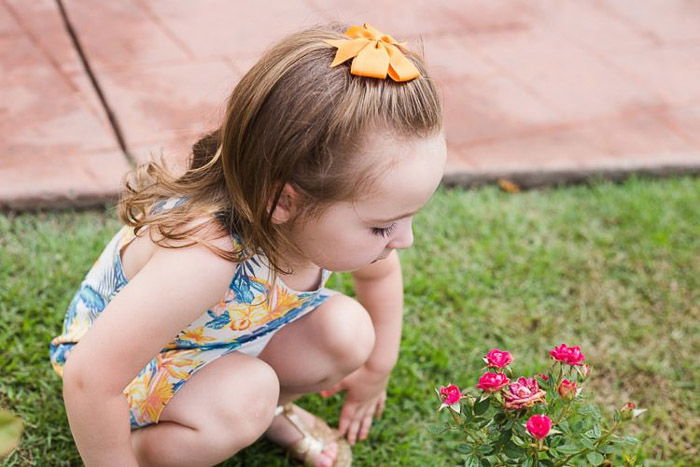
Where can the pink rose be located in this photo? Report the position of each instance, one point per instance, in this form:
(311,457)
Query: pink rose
(569,355)
(498,358)
(539,426)
(450,394)
(492,382)
(567,389)
(525,392)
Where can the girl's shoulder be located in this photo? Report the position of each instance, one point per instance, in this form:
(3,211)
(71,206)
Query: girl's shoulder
(210,241)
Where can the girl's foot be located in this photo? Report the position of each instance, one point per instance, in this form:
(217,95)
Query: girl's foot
(308,438)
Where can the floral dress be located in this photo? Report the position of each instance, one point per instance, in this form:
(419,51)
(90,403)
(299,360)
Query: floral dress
(245,319)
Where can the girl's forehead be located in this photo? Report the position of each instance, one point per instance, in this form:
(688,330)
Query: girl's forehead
(411,172)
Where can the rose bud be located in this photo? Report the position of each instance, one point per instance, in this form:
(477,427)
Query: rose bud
(630,410)
(498,358)
(492,382)
(568,355)
(567,389)
(584,371)
(543,377)
(539,426)
(523,393)
(450,396)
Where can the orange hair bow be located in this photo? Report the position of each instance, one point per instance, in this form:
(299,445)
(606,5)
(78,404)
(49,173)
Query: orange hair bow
(374,54)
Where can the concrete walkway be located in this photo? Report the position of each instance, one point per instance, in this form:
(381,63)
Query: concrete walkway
(536,91)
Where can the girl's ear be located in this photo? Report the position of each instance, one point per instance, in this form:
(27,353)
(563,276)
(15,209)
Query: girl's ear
(286,206)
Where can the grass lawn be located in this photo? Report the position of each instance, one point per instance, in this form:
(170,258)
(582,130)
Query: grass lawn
(612,268)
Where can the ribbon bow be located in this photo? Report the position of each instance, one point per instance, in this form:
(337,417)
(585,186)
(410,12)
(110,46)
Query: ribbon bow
(374,54)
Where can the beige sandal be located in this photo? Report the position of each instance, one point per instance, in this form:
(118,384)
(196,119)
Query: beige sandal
(315,440)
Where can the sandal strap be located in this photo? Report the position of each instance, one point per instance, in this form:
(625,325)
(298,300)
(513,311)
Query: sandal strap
(288,411)
(309,446)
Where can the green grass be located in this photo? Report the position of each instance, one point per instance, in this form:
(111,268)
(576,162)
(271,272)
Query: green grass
(612,268)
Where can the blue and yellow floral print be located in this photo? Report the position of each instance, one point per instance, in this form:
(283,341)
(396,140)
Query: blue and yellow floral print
(252,310)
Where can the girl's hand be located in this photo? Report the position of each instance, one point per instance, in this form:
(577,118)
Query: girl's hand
(365,399)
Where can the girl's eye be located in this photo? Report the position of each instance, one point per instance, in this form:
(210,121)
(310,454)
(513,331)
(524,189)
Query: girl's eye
(384,231)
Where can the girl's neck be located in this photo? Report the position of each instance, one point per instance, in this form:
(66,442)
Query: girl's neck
(304,279)
(299,273)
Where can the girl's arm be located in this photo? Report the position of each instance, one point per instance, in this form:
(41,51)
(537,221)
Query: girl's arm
(379,288)
(169,292)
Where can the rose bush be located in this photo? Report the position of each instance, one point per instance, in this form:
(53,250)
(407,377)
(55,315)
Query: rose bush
(530,421)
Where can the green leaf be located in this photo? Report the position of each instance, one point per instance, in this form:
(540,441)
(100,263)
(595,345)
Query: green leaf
(505,436)
(485,462)
(481,407)
(596,431)
(437,429)
(546,462)
(518,441)
(595,458)
(464,448)
(10,432)
(563,426)
(568,449)
(513,451)
(471,461)
(587,442)
(483,423)
(485,450)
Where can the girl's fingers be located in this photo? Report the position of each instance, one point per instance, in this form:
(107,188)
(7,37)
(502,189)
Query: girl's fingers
(352,431)
(366,425)
(380,407)
(347,414)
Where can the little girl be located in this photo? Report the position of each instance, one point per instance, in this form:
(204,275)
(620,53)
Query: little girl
(206,315)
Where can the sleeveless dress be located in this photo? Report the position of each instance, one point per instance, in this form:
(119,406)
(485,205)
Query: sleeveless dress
(251,312)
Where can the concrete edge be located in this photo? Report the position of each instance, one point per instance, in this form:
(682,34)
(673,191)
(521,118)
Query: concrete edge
(57,201)
(462,178)
(465,178)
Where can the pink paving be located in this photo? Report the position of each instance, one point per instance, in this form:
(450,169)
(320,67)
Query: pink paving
(536,91)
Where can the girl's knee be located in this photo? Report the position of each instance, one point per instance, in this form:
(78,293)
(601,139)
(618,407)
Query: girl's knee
(348,333)
(246,411)
(228,406)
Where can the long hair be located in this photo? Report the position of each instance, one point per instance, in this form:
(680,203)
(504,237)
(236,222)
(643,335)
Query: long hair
(291,119)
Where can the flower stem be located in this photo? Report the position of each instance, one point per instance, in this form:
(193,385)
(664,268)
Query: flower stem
(571,456)
(564,411)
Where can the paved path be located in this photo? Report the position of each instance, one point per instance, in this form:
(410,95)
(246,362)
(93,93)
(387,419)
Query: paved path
(536,91)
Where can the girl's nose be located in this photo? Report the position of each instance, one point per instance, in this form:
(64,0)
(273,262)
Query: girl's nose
(403,238)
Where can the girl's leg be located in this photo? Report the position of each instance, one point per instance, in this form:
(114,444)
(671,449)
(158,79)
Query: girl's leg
(223,408)
(316,352)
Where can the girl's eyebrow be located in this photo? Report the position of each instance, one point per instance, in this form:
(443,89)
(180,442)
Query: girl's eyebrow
(395,218)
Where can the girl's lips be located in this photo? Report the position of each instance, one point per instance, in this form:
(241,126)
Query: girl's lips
(381,257)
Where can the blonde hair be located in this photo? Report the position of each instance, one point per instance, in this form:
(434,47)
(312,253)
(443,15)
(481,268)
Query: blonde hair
(291,119)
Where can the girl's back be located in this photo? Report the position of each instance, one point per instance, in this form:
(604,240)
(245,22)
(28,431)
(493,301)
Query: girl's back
(253,307)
